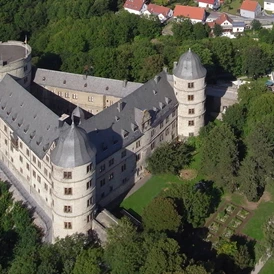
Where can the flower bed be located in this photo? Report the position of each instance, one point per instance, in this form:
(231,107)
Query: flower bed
(222,217)
(214,227)
(243,213)
(228,232)
(229,209)
(235,223)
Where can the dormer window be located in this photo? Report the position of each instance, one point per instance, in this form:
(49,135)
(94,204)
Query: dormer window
(190,85)
(125,133)
(134,127)
(162,105)
(154,92)
(44,78)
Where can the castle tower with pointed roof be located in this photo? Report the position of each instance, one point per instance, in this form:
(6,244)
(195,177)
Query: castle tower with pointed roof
(189,87)
(73,176)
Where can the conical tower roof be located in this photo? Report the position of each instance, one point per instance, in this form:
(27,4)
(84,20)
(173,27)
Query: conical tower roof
(189,67)
(73,148)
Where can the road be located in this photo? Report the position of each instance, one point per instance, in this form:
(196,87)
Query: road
(41,219)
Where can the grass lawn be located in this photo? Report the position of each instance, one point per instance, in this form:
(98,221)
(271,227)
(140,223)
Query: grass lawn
(266,208)
(138,200)
(268,267)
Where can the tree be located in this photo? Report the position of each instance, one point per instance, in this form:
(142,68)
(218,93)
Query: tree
(219,153)
(163,256)
(255,62)
(183,30)
(89,261)
(169,158)
(242,258)
(161,215)
(217,30)
(123,249)
(227,247)
(256,24)
(199,31)
(268,230)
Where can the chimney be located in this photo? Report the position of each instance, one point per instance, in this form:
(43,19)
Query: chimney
(175,64)
(157,79)
(121,106)
(165,69)
(124,83)
(62,119)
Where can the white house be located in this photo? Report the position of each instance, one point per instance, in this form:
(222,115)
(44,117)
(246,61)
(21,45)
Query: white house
(250,9)
(269,5)
(195,14)
(135,6)
(238,27)
(208,4)
(163,13)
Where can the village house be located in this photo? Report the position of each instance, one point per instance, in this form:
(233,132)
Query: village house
(135,6)
(195,14)
(250,9)
(211,4)
(269,5)
(163,13)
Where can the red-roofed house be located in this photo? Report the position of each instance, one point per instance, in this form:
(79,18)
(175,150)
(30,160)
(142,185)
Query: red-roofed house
(195,14)
(250,9)
(162,12)
(208,4)
(135,6)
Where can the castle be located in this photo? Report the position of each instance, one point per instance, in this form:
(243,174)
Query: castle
(72,164)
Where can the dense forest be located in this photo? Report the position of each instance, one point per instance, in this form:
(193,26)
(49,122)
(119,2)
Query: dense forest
(99,38)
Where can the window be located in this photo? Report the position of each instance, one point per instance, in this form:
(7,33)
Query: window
(38,179)
(191,123)
(138,156)
(152,132)
(47,158)
(173,124)
(111,176)
(74,96)
(6,142)
(34,159)
(167,131)
(191,111)
(21,159)
(161,125)
(67,209)
(27,166)
(25,67)
(110,188)
(59,93)
(66,95)
(45,172)
(67,225)
(89,218)
(190,85)
(34,174)
(89,201)
(123,154)
(161,137)
(124,180)
(67,175)
(89,184)
(190,97)
(89,168)
(167,119)
(5,128)
(46,186)
(90,99)
(21,170)
(103,195)
(68,191)
(27,151)
(173,113)
(25,80)
(102,182)
(123,167)
(152,146)
(111,162)
(21,145)
(138,144)
(191,134)
(102,167)
(39,164)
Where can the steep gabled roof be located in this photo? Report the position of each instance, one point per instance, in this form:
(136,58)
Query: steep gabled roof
(119,125)
(156,9)
(222,18)
(189,12)
(134,4)
(30,120)
(249,5)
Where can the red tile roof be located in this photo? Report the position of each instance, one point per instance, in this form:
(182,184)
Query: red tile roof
(210,2)
(222,18)
(156,9)
(249,5)
(134,4)
(190,12)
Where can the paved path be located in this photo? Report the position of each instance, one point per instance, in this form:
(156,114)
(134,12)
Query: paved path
(19,193)
(258,267)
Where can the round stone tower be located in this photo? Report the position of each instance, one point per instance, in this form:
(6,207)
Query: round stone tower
(189,87)
(73,179)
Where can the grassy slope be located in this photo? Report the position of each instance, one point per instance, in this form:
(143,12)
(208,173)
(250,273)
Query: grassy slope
(268,268)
